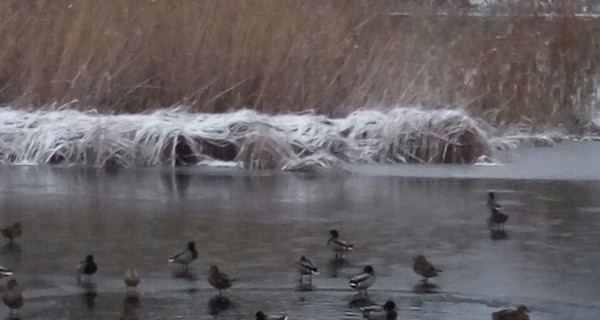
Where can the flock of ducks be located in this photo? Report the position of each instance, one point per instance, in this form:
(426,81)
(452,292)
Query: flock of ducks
(13,294)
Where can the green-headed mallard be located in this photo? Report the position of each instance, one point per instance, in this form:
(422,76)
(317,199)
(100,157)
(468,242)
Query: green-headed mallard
(380,312)
(364,280)
(337,245)
(184,258)
(306,268)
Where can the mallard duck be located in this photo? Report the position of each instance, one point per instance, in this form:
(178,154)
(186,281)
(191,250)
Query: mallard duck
(88,266)
(12,232)
(131,278)
(13,296)
(378,312)
(491,202)
(219,280)
(306,268)
(338,246)
(262,316)
(424,268)
(364,280)
(511,314)
(4,272)
(184,258)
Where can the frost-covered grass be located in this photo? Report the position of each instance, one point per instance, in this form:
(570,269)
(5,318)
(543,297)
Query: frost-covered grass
(252,140)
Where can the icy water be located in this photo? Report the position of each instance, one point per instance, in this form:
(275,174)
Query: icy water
(256,225)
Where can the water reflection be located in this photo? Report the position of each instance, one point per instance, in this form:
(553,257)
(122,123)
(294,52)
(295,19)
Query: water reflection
(360,301)
(131,307)
(218,304)
(89,299)
(334,266)
(498,234)
(425,287)
(176,182)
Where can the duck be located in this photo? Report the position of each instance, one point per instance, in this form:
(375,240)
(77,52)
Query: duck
(5,272)
(511,314)
(186,257)
(12,232)
(491,202)
(498,218)
(262,316)
(424,268)
(87,267)
(306,268)
(364,280)
(219,280)
(131,278)
(337,245)
(380,312)
(13,296)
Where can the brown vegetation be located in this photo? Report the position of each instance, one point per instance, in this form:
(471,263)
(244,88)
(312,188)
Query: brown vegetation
(333,56)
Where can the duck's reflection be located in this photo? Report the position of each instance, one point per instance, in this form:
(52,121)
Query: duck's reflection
(131,307)
(498,234)
(218,304)
(425,287)
(184,274)
(360,301)
(334,266)
(89,299)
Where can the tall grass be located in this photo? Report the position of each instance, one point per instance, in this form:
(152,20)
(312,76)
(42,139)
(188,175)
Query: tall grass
(270,55)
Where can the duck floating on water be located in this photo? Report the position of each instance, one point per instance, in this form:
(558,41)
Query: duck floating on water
(338,246)
(12,232)
(262,316)
(13,296)
(219,280)
(364,280)
(380,312)
(306,268)
(186,257)
(425,268)
(511,314)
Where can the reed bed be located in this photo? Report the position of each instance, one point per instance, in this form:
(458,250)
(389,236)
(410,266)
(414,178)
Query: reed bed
(504,61)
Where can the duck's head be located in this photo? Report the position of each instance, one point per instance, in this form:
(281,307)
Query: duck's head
(17,225)
(213,269)
(89,258)
(368,269)
(191,245)
(389,306)
(302,258)
(491,195)
(260,315)
(11,284)
(334,233)
(522,309)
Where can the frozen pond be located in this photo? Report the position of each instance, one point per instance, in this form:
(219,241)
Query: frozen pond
(256,225)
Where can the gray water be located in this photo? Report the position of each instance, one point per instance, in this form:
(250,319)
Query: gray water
(255,225)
